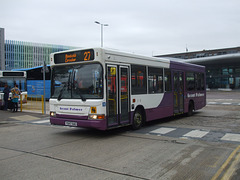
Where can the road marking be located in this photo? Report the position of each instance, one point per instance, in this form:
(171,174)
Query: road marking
(231,170)
(226,103)
(41,122)
(212,103)
(219,172)
(25,118)
(231,137)
(196,134)
(163,130)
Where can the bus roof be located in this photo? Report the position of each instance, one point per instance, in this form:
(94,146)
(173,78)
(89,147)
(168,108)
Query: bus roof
(27,69)
(112,52)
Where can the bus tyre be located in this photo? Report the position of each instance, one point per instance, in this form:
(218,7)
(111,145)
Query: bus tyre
(190,109)
(137,120)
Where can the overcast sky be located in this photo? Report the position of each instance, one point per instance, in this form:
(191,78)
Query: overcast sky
(148,27)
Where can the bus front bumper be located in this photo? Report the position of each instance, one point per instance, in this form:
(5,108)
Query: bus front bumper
(83,122)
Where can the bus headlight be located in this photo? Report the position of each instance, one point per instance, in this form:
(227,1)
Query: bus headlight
(96,116)
(53,114)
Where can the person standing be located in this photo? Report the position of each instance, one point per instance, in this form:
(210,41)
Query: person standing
(6,96)
(15,96)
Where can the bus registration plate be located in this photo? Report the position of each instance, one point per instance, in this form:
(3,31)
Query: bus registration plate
(70,123)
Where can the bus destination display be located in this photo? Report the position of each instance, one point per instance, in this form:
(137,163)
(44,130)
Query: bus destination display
(13,73)
(75,56)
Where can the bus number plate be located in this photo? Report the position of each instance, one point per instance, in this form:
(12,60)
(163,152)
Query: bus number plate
(69,123)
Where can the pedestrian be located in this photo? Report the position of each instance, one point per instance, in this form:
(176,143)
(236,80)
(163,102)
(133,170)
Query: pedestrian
(6,96)
(15,96)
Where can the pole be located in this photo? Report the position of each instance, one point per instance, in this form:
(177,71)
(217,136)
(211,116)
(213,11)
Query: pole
(101,31)
(42,104)
(44,96)
(101,35)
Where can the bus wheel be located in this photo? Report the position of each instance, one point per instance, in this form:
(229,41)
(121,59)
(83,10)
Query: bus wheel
(137,120)
(190,109)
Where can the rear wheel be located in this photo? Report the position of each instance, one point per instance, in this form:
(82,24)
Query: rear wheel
(190,109)
(138,119)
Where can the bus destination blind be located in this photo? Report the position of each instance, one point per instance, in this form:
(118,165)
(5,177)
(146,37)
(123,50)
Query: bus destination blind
(75,56)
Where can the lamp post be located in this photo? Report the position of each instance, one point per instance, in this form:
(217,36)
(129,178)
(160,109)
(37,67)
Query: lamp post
(101,31)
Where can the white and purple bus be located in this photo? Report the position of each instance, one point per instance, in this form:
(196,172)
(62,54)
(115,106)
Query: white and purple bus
(104,89)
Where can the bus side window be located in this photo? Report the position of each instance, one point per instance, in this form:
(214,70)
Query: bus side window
(155,80)
(167,79)
(190,78)
(139,80)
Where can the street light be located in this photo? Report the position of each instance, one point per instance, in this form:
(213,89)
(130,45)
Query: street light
(101,31)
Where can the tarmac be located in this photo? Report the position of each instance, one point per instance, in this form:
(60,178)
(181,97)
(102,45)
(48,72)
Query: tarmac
(8,116)
(214,97)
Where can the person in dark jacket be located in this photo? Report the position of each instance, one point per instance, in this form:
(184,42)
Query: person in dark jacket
(6,96)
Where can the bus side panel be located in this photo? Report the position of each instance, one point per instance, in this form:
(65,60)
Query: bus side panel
(198,98)
(165,108)
(1,100)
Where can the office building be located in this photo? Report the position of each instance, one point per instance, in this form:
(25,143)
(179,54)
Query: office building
(22,55)
(222,65)
(2,53)
(19,54)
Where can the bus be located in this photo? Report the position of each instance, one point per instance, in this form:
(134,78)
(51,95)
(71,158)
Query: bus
(35,84)
(11,78)
(104,89)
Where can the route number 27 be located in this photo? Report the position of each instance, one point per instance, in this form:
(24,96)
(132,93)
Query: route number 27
(87,55)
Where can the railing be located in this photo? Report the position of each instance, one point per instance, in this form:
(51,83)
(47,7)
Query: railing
(34,103)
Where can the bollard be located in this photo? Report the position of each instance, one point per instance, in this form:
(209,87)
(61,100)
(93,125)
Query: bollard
(21,102)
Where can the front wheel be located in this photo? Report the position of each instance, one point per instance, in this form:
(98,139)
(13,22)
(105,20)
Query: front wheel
(137,120)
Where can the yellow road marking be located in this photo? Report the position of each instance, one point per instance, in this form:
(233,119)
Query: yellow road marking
(232,168)
(219,172)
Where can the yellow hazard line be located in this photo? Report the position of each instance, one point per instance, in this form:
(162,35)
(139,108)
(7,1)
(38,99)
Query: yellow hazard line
(219,172)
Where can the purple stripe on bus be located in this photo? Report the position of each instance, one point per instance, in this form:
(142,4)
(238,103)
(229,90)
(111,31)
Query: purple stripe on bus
(97,124)
(71,116)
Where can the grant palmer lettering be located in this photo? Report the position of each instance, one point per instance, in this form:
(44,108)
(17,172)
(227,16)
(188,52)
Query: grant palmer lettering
(71,109)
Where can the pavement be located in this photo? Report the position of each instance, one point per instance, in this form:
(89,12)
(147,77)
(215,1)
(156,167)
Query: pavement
(8,116)
(213,98)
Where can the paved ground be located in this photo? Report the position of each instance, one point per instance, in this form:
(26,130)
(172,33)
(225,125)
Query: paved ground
(203,146)
(213,98)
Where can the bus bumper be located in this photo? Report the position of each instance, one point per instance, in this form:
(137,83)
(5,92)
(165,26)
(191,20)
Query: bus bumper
(96,124)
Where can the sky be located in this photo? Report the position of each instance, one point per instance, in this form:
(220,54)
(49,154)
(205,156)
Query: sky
(146,27)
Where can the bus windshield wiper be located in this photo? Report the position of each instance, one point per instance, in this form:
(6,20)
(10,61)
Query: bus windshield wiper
(80,94)
(61,92)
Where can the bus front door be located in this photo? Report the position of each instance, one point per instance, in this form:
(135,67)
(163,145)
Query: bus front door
(117,95)
(178,92)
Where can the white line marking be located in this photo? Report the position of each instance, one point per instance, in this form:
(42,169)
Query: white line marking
(231,137)
(41,122)
(196,134)
(212,103)
(163,130)
(226,103)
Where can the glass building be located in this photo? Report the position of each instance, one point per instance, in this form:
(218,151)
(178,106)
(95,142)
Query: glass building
(19,54)
(2,54)
(222,66)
